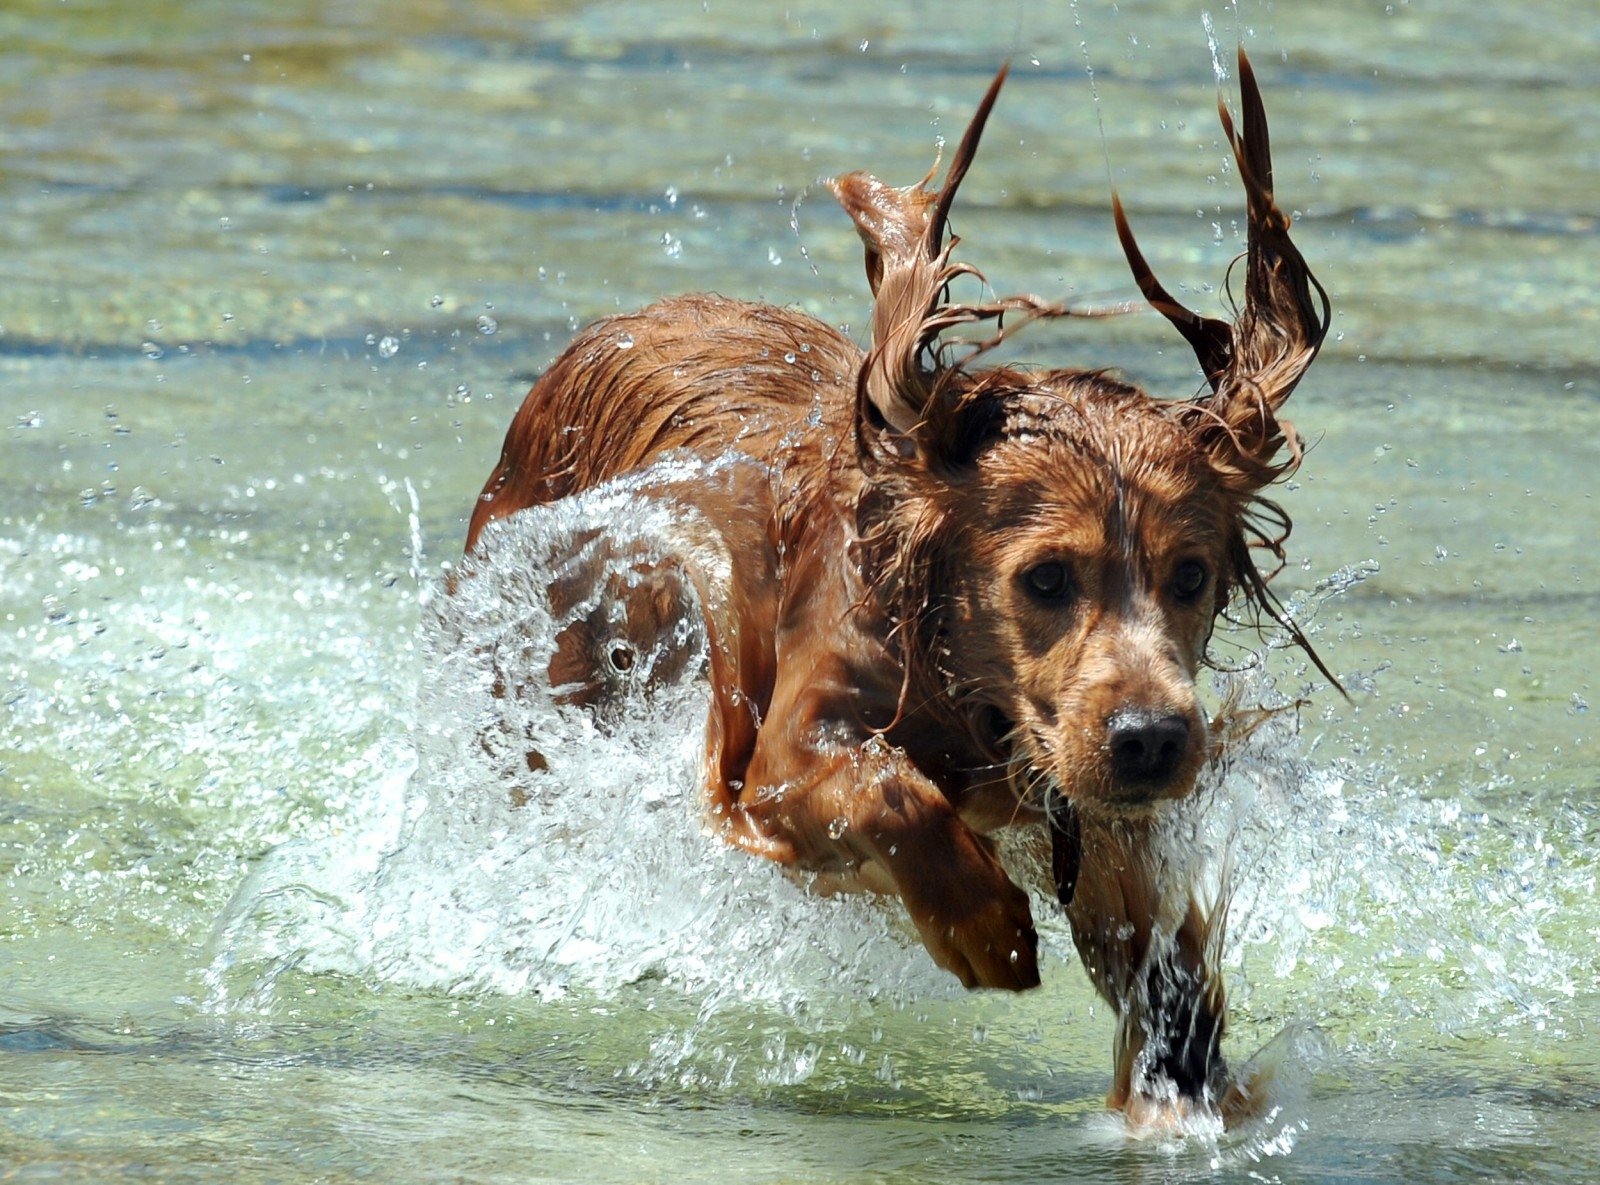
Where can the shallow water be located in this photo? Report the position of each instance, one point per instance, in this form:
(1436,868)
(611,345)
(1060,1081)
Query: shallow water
(275,279)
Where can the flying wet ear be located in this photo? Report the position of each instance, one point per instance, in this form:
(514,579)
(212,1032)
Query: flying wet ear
(890,220)
(909,267)
(1253,364)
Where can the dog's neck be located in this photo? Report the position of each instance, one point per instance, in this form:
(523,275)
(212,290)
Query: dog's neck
(896,560)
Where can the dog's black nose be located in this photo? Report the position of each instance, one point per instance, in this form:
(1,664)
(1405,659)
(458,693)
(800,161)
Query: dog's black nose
(1146,748)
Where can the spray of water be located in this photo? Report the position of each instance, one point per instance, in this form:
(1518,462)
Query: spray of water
(1094,89)
(550,837)
(1219,63)
(539,839)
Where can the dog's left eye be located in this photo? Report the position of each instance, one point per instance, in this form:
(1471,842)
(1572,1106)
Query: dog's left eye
(1188,580)
(1050,581)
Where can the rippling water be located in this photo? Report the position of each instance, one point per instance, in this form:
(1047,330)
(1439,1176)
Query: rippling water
(275,279)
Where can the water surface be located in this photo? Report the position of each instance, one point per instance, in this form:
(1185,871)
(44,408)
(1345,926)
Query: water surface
(275,277)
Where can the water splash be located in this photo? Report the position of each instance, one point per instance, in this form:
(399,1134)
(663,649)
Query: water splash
(551,835)
(1094,89)
(1219,63)
(541,839)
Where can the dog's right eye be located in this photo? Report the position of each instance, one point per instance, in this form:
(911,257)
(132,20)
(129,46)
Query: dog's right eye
(1049,581)
(1189,580)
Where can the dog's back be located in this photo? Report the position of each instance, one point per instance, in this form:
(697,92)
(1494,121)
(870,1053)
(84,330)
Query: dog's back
(702,374)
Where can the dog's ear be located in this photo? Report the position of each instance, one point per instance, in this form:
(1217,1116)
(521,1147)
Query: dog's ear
(1253,364)
(909,268)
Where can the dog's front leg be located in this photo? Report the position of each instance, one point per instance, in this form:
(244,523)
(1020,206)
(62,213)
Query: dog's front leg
(1149,947)
(866,811)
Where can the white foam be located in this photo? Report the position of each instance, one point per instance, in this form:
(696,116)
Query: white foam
(459,868)
(477,873)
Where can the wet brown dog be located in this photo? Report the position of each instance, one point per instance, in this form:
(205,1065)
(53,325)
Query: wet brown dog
(963,598)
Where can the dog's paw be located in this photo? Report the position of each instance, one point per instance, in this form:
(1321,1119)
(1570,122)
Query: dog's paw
(1170,1116)
(983,934)
(999,952)
(1238,1102)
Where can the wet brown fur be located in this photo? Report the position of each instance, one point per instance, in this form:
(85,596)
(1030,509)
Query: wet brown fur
(895,674)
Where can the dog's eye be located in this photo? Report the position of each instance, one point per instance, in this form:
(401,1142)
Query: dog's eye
(1050,581)
(996,725)
(1189,580)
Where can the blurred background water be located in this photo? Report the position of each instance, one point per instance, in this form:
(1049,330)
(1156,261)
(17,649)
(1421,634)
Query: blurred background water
(273,278)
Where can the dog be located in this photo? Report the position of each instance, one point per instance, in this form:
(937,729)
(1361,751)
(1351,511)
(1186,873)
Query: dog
(959,598)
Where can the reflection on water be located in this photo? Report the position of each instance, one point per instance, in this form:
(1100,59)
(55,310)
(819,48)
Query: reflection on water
(275,279)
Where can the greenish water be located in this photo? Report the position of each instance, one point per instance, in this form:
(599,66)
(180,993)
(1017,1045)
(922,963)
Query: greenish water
(272,281)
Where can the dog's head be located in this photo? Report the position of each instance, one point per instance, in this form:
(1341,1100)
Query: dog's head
(1057,545)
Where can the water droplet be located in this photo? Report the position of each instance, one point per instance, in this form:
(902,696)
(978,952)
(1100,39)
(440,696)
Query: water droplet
(789,357)
(435,301)
(389,346)
(487,324)
(773,257)
(838,827)
(151,350)
(624,341)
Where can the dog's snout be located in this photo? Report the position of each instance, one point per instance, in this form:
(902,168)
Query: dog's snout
(1147,747)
